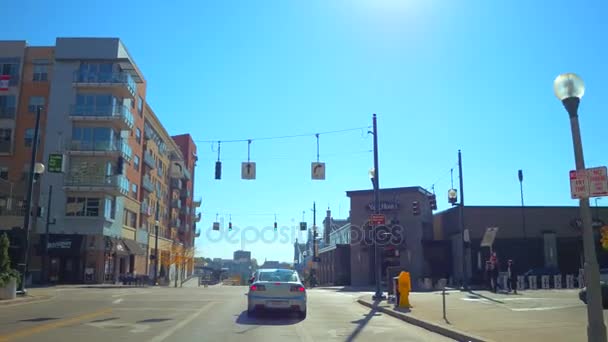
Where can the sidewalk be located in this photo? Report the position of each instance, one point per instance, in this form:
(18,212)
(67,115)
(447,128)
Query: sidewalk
(541,315)
(33,296)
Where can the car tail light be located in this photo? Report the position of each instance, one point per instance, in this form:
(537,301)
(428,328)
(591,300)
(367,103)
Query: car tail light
(297,288)
(254,288)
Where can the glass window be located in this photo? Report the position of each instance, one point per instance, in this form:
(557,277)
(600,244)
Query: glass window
(279,275)
(34,102)
(82,206)
(140,105)
(7,106)
(28,137)
(134,189)
(136,163)
(40,72)
(4,172)
(138,135)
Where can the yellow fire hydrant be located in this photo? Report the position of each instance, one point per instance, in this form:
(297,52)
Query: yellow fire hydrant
(405,286)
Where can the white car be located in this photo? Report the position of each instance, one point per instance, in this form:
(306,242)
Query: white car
(276,289)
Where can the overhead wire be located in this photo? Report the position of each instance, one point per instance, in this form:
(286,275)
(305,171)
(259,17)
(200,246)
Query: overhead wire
(283,136)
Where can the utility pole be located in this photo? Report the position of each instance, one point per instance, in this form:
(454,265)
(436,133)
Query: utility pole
(376,183)
(520,175)
(313,272)
(28,201)
(45,262)
(156,223)
(462,229)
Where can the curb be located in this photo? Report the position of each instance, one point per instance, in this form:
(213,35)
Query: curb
(450,333)
(25,300)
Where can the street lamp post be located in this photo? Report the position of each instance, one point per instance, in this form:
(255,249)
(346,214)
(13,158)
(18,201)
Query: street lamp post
(35,168)
(156,224)
(569,88)
(375,178)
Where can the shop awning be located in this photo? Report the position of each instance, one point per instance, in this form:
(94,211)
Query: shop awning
(117,246)
(134,247)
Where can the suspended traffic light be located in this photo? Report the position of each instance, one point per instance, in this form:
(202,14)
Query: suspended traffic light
(218,170)
(416,208)
(230,224)
(452,196)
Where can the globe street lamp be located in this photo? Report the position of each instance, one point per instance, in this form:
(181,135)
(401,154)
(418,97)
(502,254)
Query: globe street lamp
(569,88)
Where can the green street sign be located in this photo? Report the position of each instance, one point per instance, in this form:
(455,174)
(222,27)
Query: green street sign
(55,163)
(302,225)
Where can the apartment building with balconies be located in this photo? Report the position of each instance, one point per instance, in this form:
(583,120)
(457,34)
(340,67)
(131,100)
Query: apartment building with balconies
(114,186)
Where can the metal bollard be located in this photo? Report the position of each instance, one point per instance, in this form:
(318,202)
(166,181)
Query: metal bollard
(521,283)
(532,282)
(544,281)
(557,281)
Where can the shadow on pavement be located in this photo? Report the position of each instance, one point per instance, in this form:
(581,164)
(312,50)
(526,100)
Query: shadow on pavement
(362,323)
(39,319)
(478,295)
(268,318)
(154,320)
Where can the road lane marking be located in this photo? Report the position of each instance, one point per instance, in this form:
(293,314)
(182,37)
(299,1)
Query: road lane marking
(135,328)
(546,308)
(182,323)
(28,331)
(155,309)
(118,301)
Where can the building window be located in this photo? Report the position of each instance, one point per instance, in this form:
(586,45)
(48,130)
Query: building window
(82,206)
(110,208)
(4,172)
(6,135)
(28,137)
(7,106)
(140,105)
(138,135)
(11,69)
(129,218)
(40,70)
(136,163)
(134,189)
(34,102)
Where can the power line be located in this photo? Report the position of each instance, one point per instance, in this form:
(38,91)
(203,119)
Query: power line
(443,176)
(285,136)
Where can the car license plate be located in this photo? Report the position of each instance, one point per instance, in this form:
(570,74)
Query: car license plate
(277,303)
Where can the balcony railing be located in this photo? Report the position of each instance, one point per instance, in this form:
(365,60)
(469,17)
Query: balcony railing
(176,184)
(95,147)
(197,203)
(19,211)
(105,79)
(187,174)
(185,193)
(7,112)
(149,160)
(115,184)
(145,208)
(147,184)
(115,113)
(197,217)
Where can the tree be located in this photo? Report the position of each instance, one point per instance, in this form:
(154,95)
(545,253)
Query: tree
(6,272)
(254,264)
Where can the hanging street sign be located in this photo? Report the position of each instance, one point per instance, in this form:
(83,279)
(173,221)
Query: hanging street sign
(302,225)
(216,226)
(248,170)
(592,182)
(56,163)
(317,170)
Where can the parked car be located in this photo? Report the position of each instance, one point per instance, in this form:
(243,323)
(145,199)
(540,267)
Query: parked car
(277,289)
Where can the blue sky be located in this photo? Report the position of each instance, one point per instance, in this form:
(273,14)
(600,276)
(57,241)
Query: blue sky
(441,75)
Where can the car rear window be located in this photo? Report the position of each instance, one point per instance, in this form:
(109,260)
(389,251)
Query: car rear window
(282,276)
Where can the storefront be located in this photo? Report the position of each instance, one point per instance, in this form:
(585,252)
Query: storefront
(65,258)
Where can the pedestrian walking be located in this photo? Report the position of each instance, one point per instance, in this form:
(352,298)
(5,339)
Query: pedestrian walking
(512,276)
(494,274)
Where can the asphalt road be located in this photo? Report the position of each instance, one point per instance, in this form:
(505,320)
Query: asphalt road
(195,314)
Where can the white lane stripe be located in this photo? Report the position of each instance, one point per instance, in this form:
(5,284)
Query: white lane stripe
(181,324)
(118,301)
(546,308)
